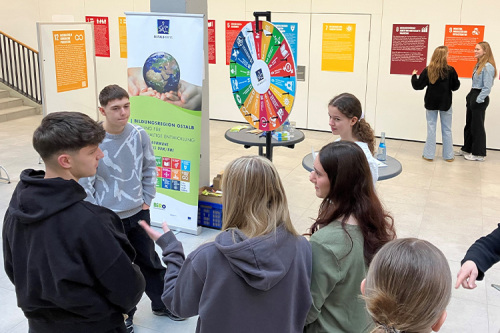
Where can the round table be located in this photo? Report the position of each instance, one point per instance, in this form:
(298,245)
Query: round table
(249,140)
(392,169)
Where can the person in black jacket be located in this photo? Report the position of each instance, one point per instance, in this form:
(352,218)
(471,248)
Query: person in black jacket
(440,80)
(69,260)
(483,254)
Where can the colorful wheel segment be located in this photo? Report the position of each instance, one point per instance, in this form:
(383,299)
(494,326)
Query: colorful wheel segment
(262,74)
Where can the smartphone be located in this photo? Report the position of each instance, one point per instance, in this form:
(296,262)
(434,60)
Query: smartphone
(496,286)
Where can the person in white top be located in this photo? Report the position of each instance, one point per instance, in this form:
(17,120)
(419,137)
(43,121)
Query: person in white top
(346,121)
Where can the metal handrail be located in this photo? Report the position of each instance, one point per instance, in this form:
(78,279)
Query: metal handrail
(19,67)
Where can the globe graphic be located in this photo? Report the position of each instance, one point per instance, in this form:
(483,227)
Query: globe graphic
(161,72)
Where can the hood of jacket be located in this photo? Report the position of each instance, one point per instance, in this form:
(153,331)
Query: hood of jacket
(261,261)
(36,198)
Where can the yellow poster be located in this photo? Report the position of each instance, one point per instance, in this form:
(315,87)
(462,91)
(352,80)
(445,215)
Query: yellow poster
(122,31)
(337,54)
(70,60)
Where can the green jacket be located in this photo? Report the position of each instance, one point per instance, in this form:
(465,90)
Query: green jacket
(338,269)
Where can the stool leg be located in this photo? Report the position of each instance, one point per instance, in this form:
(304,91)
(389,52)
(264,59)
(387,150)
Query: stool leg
(5,178)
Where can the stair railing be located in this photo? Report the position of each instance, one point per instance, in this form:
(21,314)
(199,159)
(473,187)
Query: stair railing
(19,67)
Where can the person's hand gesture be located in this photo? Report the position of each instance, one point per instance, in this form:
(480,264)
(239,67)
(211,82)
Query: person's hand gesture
(467,275)
(152,233)
(414,72)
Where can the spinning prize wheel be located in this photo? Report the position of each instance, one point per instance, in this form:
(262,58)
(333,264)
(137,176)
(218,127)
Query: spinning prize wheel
(262,73)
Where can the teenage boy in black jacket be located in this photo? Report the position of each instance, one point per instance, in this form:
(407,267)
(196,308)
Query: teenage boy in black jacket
(69,260)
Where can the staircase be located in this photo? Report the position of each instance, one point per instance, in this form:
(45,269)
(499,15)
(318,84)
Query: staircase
(13,107)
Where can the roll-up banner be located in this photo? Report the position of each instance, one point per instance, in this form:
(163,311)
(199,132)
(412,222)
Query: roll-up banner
(165,73)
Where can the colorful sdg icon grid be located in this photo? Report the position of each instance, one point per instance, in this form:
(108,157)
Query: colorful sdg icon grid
(173,174)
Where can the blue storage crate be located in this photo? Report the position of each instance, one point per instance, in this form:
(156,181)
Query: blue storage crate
(210,214)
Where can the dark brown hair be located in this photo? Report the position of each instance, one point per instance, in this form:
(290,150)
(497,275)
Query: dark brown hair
(110,93)
(66,132)
(352,193)
(350,106)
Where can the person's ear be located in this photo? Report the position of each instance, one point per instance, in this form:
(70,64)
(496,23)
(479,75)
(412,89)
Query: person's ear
(437,326)
(362,287)
(64,160)
(101,110)
(354,120)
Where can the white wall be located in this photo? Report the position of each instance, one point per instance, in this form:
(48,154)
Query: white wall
(18,19)
(392,105)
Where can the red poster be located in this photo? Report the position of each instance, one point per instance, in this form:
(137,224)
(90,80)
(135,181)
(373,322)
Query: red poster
(211,41)
(461,40)
(101,35)
(409,48)
(232,30)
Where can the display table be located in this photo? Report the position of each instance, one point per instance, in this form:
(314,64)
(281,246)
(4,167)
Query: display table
(249,140)
(392,169)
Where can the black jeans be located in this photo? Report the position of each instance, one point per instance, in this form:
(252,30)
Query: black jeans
(474,133)
(146,258)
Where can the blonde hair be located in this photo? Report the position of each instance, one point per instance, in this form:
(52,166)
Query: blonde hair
(408,286)
(254,199)
(438,67)
(487,57)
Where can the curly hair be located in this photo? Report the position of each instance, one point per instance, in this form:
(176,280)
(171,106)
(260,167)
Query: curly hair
(350,106)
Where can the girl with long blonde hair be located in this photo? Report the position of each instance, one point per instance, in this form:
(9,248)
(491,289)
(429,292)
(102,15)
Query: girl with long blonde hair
(440,79)
(483,77)
(255,276)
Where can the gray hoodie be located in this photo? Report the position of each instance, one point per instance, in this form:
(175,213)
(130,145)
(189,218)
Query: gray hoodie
(236,284)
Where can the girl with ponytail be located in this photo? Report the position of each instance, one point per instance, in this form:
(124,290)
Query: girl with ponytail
(408,287)
(346,120)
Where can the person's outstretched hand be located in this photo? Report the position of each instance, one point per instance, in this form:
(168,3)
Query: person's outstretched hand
(152,233)
(467,275)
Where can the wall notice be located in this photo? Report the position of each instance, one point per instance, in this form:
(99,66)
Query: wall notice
(409,48)
(211,41)
(122,32)
(461,40)
(70,60)
(337,53)
(101,35)
(232,30)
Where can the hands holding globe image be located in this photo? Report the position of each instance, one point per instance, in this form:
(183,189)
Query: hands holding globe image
(160,78)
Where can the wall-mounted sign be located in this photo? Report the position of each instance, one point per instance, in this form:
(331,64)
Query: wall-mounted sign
(409,48)
(461,40)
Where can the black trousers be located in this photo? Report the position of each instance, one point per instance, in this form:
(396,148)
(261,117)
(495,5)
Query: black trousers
(146,258)
(474,133)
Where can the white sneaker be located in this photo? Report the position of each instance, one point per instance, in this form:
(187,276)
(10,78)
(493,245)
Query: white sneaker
(470,157)
(460,152)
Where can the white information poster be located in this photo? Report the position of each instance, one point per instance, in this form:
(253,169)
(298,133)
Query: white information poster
(165,75)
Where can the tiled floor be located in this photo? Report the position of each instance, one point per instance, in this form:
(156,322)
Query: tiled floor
(449,204)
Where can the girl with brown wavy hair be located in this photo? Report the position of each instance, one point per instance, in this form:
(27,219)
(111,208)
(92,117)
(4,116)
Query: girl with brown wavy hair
(351,226)
(408,287)
(347,121)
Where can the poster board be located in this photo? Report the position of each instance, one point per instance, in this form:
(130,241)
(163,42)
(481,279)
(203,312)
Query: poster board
(409,48)
(461,40)
(166,63)
(67,66)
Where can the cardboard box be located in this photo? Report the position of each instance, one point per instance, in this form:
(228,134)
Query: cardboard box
(208,198)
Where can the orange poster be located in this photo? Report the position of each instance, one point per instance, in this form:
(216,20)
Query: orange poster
(70,60)
(337,54)
(122,31)
(461,40)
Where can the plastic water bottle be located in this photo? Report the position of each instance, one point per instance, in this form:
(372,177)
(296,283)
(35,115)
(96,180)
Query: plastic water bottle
(382,150)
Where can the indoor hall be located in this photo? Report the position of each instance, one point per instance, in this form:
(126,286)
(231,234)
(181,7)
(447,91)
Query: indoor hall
(448,204)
